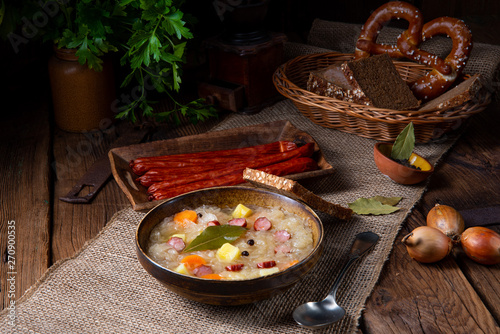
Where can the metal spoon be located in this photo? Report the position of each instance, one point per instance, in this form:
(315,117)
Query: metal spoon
(326,312)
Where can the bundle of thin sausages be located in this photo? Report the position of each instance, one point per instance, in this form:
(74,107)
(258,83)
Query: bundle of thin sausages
(172,175)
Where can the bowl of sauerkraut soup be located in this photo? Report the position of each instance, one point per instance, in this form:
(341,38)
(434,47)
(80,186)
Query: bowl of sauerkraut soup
(229,245)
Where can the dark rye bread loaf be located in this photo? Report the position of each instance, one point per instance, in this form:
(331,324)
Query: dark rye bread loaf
(372,81)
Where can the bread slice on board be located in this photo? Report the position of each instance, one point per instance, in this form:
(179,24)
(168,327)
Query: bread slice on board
(295,190)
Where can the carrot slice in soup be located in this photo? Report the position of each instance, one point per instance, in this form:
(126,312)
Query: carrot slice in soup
(193,261)
(185,217)
(212,276)
(289,264)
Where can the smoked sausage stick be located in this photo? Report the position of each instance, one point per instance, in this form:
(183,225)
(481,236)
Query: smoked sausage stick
(303,151)
(141,165)
(292,166)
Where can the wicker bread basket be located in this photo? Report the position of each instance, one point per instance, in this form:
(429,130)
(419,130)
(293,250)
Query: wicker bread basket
(291,78)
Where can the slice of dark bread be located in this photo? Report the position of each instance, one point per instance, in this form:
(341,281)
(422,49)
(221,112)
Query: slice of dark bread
(373,81)
(381,82)
(293,189)
(456,96)
(332,82)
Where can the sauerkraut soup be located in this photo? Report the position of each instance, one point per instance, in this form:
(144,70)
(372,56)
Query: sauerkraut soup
(267,241)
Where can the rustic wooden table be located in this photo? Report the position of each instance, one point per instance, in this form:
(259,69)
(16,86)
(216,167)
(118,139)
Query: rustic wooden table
(40,163)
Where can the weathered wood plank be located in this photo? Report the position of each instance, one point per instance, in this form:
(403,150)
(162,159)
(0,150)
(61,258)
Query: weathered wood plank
(416,298)
(485,279)
(25,210)
(75,224)
(481,158)
(454,295)
(476,166)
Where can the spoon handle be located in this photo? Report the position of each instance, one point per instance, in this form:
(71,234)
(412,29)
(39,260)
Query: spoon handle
(362,243)
(339,278)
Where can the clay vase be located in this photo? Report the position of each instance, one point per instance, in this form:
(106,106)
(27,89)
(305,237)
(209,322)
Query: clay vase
(82,97)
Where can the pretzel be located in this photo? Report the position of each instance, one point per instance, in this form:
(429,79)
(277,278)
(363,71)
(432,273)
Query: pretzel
(437,82)
(366,45)
(407,42)
(444,72)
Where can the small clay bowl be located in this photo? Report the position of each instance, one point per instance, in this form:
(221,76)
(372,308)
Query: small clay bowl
(228,292)
(397,172)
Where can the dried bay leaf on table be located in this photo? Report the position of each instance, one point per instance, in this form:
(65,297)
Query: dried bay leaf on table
(387,200)
(371,206)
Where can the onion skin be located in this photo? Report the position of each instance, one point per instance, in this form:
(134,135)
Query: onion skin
(427,244)
(481,244)
(446,219)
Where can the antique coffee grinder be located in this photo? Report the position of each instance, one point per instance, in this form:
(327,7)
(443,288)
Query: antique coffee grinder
(242,59)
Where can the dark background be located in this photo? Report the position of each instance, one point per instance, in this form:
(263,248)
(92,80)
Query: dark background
(25,72)
(295,17)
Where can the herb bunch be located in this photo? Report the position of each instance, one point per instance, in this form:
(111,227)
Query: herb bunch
(155,53)
(149,35)
(91,27)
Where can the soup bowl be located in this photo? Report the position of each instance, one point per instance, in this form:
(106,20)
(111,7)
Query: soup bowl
(228,292)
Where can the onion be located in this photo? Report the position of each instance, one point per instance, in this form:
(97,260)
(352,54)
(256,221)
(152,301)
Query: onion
(481,244)
(427,244)
(446,219)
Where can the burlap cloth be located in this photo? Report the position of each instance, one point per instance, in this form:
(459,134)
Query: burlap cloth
(104,289)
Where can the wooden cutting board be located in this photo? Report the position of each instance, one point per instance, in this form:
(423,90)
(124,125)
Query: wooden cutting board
(211,141)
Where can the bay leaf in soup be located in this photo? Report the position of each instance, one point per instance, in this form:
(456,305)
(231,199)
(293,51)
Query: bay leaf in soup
(214,237)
